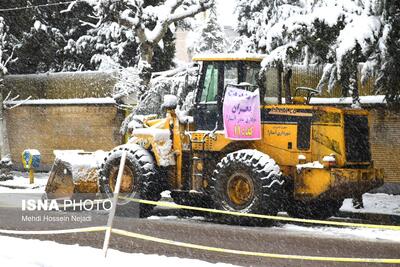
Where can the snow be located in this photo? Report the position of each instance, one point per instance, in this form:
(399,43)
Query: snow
(208,37)
(170,101)
(331,33)
(329,159)
(376,203)
(362,30)
(166,194)
(80,161)
(39,26)
(71,101)
(301,157)
(135,124)
(364,100)
(159,135)
(311,165)
(167,157)
(353,233)
(226,11)
(230,56)
(33,152)
(20,183)
(51,254)
(183,116)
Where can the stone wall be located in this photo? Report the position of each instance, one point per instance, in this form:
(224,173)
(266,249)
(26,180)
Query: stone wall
(65,125)
(69,127)
(385,142)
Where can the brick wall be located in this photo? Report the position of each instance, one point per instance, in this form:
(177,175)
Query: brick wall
(385,142)
(52,127)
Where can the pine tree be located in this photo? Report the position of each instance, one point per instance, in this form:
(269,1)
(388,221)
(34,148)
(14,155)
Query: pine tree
(42,33)
(335,34)
(212,38)
(69,38)
(388,82)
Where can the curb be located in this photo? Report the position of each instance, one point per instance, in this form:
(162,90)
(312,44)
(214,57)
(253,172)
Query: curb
(372,217)
(19,186)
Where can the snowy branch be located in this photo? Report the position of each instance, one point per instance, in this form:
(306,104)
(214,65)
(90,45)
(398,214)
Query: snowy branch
(170,12)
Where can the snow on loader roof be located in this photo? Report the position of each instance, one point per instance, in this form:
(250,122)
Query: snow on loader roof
(229,57)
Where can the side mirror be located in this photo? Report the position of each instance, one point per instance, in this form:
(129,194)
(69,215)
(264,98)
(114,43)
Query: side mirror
(170,102)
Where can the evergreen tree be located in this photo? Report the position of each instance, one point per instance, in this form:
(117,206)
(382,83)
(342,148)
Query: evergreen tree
(70,37)
(336,34)
(43,33)
(7,44)
(211,38)
(388,82)
(109,44)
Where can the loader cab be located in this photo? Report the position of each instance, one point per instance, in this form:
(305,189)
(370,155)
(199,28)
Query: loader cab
(216,73)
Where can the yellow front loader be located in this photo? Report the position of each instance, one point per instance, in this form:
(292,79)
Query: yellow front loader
(309,159)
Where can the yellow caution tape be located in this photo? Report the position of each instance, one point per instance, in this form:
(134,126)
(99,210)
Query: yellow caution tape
(202,247)
(55,232)
(260,216)
(251,253)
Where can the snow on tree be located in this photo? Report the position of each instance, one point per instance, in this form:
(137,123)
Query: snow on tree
(135,33)
(210,36)
(337,34)
(388,82)
(42,34)
(180,82)
(151,23)
(6,56)
(6,50)
(76,36)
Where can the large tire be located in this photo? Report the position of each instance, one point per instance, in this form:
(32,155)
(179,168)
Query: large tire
(314,209)
(140,179)
(247,181)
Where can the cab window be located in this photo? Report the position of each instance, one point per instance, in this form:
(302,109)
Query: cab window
(210,88)
(231,73)
(251,71)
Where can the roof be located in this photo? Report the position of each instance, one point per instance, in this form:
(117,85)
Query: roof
(229,57)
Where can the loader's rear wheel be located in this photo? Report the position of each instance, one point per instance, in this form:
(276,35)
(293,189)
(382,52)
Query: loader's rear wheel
(247,181)
(315,209)
(139,179)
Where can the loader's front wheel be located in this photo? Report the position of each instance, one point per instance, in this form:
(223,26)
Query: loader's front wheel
(139,179)
(247,181)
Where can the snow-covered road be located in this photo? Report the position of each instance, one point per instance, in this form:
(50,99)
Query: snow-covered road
(16,252)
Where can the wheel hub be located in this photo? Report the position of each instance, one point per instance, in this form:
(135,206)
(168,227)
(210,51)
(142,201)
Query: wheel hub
(240,189)
(127,179)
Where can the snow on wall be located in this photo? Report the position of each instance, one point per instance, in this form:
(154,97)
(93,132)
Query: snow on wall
(71,101)
(364,100)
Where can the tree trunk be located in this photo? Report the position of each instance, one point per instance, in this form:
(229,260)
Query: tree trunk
(4,145)
(146,58)
(279,69)
(354,87)
(287,78)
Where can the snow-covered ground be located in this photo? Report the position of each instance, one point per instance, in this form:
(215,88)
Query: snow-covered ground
(348,233)
(20,183)
(376,203)
(15,252)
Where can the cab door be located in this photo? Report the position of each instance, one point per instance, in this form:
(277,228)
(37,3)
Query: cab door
(208,110)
